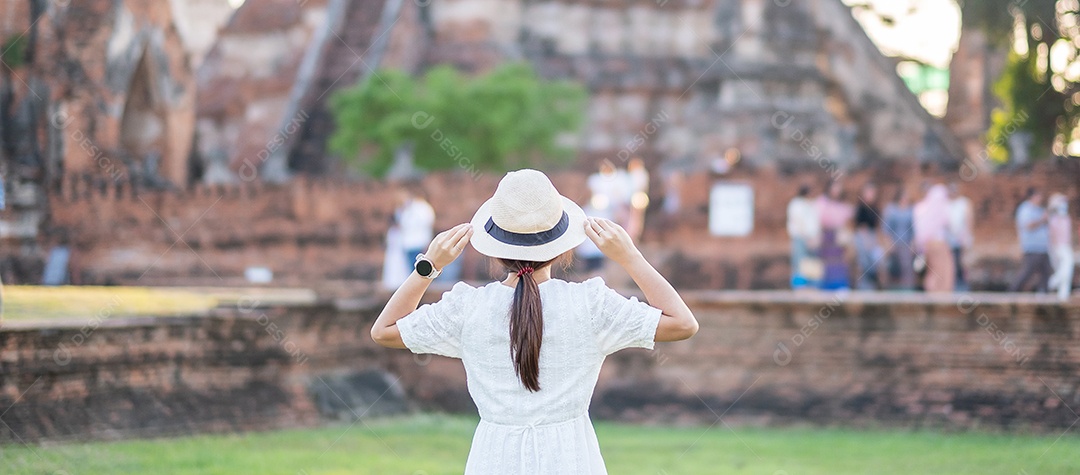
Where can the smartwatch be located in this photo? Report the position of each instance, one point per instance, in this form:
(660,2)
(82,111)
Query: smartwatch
(425,267)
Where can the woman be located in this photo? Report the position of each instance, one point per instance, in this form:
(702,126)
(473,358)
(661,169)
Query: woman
(899,228)
(835,215)
(532,345)
(1061,247)
(932,239)
(804,228)
(867,249)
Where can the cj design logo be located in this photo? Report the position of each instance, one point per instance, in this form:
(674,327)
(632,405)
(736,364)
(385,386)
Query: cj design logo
(782,355)
(62,356)
(421,120)
(61,119)
(969,171)
(421,360)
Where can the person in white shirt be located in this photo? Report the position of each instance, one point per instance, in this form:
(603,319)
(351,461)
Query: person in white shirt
(960,234)
(1061,247)
(415,220)
(804,227)
(611,191)
(532,346)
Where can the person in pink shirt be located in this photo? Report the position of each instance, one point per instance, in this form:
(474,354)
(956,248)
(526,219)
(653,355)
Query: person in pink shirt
(931,238)
(1061,247)
(835,214)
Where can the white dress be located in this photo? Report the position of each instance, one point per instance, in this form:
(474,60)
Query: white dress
(523,432)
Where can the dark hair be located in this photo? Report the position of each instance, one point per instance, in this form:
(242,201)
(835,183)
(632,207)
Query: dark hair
(526,322)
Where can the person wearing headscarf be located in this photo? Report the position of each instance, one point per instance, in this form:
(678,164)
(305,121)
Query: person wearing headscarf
(931,238)
(1061,246)
(835,214)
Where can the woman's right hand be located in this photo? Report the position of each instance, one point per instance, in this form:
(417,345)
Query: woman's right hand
(448,245)
(611,239)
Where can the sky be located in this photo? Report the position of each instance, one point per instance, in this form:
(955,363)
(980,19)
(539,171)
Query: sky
(925,30)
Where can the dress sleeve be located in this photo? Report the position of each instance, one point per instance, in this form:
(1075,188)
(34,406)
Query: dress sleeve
(436,328)
(619,322)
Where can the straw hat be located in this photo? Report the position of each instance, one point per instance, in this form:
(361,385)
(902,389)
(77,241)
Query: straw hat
(527,219)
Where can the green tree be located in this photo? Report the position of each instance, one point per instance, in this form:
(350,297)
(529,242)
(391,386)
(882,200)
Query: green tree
(13,51)
(1036,94)
(507,118)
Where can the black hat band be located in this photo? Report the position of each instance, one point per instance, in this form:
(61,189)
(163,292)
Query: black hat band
(531,239)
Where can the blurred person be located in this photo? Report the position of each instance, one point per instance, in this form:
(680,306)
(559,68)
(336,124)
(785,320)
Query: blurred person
(57,269)
(1034,234)
(960,232)
(416,221)
(1061,246)
(899,227)
(868,250)
(804,228)
(835,215)
(587,251)
(638,179)
(532,345)
(610,189)
(931,220)
(395,267)
(673,192)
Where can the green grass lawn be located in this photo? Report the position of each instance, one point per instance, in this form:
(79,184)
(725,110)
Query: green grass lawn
(31,303)
(28,302)
(434,445)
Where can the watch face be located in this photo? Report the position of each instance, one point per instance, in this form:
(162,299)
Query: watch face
(423,268)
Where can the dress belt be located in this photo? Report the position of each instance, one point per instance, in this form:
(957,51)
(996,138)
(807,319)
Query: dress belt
(530,429)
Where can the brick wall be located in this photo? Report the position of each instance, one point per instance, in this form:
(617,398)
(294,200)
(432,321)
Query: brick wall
(311,231)
(771,358)
(974,361)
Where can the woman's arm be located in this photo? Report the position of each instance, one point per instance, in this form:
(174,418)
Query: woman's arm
(677,322)
(446,247)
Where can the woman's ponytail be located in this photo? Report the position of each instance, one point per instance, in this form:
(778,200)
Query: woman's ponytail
(526,323)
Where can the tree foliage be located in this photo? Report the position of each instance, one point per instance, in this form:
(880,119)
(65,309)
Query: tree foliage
(1040,85)
(13,51)
(507,118)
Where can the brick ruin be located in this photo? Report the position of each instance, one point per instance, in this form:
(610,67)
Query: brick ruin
(793,84)
(97,89)
(913,362)
(309,231)
(124,124)
(798,90)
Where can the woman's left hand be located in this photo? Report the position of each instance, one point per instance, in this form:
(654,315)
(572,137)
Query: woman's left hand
(448,245)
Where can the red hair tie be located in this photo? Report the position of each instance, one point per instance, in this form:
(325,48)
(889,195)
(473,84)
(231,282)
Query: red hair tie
(525,270)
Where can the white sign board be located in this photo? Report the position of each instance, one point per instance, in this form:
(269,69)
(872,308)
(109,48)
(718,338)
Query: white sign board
(731,209)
